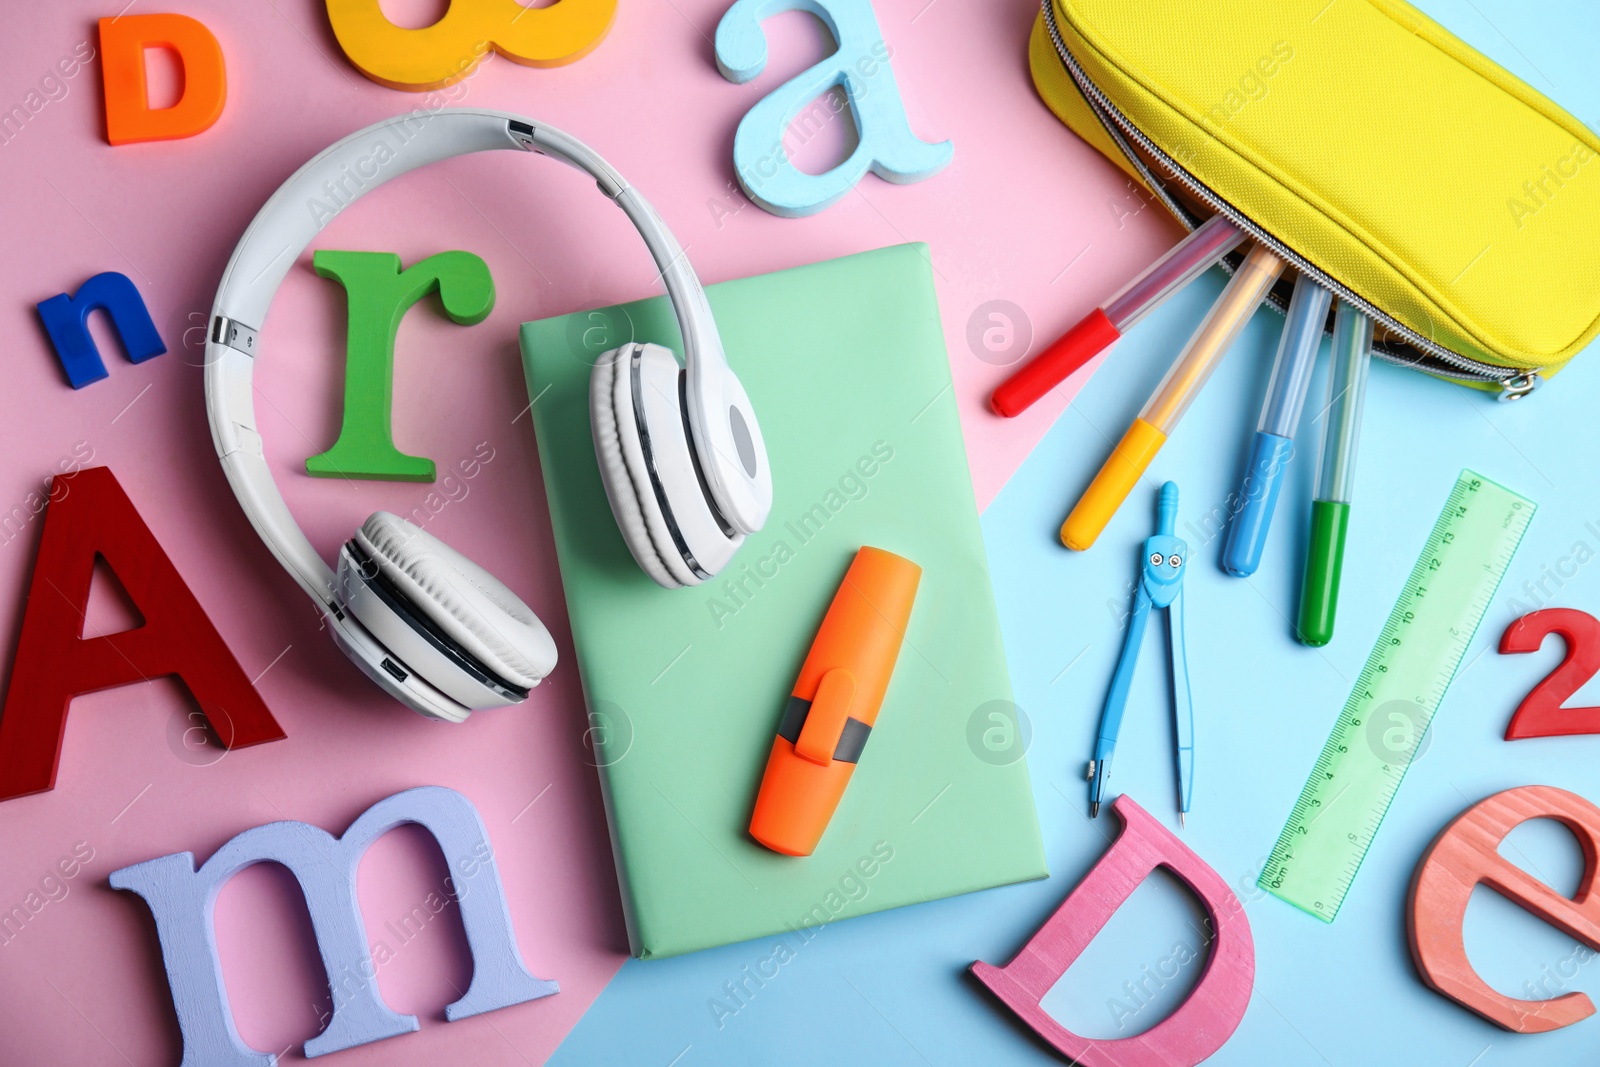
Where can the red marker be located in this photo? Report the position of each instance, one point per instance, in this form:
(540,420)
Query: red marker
(1105,324)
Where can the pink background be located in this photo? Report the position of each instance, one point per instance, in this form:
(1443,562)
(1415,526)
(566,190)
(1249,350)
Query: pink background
(1025,213)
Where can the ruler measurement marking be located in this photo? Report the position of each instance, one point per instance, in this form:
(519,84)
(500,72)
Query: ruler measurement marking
(1419,649)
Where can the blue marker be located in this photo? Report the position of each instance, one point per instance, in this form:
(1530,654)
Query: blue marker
(1274,442)
(1160,587)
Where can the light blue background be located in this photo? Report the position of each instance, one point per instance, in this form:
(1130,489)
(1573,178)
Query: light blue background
(892,988)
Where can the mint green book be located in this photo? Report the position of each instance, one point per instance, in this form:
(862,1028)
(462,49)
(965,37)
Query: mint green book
(846,365)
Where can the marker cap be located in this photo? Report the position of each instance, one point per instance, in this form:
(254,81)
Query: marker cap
(1319,596)
(1093,335)
(1247,533)
(1111,486)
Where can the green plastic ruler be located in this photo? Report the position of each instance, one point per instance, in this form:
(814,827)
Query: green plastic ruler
(1386,717)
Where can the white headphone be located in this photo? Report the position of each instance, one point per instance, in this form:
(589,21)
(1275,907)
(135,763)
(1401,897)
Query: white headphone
(679,448)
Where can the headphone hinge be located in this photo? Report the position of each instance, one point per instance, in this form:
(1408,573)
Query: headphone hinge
(236,335)
(525,135)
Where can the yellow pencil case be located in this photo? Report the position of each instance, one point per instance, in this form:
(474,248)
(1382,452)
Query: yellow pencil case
(1366,145)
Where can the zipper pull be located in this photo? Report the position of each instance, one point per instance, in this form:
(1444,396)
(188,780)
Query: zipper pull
(1519,385)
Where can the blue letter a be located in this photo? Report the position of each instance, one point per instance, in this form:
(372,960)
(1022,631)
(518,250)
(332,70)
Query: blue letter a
(859,66)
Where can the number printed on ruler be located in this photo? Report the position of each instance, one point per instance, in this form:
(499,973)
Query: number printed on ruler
(1385,720)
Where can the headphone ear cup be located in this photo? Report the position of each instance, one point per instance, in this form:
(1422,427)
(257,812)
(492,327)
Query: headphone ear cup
(456,601)
(648,467)
(622,470)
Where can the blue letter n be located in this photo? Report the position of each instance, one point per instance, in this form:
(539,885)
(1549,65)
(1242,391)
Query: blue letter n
(182,900)
(66,319)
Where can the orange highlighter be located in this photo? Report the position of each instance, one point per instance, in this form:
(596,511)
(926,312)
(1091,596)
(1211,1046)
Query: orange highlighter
(835,702)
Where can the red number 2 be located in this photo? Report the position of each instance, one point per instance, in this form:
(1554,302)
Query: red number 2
(1540,714)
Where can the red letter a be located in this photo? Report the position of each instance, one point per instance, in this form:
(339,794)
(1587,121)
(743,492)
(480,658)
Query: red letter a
(91,516)
(1203,1022)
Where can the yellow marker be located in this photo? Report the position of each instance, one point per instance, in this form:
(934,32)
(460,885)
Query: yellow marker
(1127,462)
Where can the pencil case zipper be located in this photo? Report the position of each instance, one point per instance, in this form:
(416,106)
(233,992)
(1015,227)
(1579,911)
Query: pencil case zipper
(1436,360)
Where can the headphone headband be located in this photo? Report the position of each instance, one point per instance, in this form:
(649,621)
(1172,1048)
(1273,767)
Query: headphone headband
(316,194)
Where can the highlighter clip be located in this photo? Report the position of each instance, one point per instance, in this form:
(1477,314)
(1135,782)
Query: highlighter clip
(821,737)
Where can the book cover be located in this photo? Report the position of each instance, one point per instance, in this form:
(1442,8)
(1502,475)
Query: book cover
(846,365)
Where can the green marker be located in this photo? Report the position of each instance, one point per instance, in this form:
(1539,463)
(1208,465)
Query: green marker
(1330,511)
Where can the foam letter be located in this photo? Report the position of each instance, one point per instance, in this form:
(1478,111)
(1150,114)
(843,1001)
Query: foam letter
(442,54)
(1466,854)
(379,294)
(129,117)
(89,515)
(182,900)
(1541,713)
(1201,1024)
(860,66)
(66,320)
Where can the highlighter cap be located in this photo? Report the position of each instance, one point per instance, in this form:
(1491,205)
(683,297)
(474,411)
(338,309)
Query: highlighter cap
(835,702)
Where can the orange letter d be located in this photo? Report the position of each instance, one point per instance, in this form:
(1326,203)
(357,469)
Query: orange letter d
(129,117)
